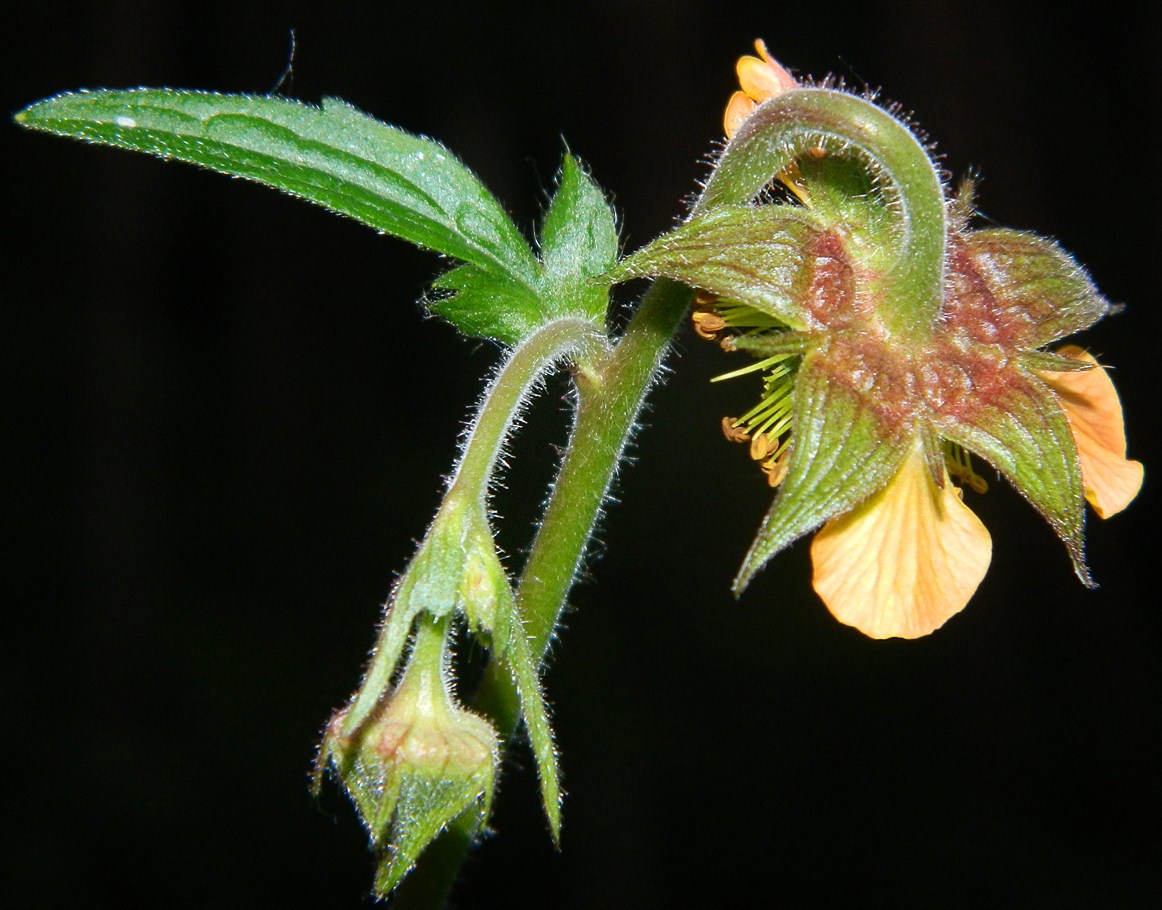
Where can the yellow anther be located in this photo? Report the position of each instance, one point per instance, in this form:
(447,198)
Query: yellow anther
(733,431)
(707,324)
(776,470)
(761,445)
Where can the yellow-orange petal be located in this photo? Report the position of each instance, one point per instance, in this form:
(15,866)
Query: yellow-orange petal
(904,562)
(738,108)
(1090,401)
(762,77)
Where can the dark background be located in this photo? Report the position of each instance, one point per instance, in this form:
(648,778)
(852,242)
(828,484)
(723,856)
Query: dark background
(226,421)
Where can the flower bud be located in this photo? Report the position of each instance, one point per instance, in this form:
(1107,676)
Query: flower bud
(417,764)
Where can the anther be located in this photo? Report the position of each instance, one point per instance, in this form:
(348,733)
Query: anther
(732,431)
(761,446)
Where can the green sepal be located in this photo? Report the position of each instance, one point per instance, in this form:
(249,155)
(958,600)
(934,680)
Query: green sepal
(455,570)
(534,709)
(840,455)
(428,805)
(578,244)
(1050,362)
(333,155)
(1039,288)
(757,255)
(420,763)
(1022,431)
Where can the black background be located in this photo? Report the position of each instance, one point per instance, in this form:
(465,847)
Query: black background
(226,420)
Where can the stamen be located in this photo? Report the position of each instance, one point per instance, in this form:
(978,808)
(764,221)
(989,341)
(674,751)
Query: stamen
(767,425)
(761,445)
(707,324)
(959,465)
(733,431)
(776,468)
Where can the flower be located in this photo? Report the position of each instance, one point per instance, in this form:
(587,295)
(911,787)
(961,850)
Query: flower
(896,345)
(910,556)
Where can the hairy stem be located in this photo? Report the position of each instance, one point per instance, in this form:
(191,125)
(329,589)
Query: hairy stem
(495,418)
(611,392)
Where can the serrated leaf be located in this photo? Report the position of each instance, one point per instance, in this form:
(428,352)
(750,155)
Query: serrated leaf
(1037,286)
(1023,433)
(578,244)
(839,457)
(333,155)
(486,304)
(757,255)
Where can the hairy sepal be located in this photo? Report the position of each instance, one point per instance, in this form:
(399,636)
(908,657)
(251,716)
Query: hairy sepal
(840,456)
(1021,430)
(1036,284)
(755,255)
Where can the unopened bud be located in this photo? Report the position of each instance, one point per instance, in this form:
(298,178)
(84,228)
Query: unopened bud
(417,764)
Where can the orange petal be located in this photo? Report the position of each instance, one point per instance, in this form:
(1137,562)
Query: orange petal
(904,562)
(1089,400)
(765,78)
(738,108)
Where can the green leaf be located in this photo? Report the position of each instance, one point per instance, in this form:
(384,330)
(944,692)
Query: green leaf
(1022,431)
(334,156)
(578,244)
(390,180)
(1040,293)
(536,715)
(757,255)
(486,304)
(839,456)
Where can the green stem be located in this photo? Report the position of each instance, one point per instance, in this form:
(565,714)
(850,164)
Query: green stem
(611,392)
(506,397)
(794,124)
(495,419)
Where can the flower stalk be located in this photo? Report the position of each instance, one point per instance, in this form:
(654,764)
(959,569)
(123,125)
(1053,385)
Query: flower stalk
(459,536)
(609,399)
